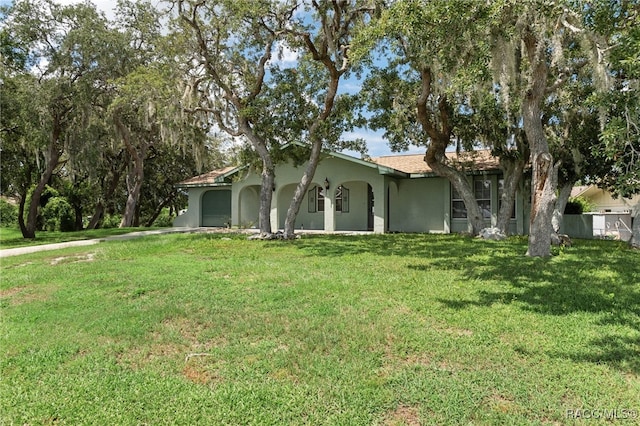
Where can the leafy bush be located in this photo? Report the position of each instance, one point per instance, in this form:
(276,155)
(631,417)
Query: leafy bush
(111,221)
(58,215)
(578,205)
(164,219)
(8,214)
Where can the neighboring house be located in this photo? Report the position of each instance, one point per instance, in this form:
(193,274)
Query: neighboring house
(610,218)
(397,193)
(604,202)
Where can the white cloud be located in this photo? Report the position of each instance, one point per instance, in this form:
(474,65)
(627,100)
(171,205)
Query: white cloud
(106,6)
(377,145)
(284,55)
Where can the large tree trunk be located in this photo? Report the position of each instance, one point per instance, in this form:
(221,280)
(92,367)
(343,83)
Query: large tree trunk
(52,158)
(266,195)
(78,222)
(320,55)
(301,190)
(21,223)
(117,169)
(561,204)
(267,179)
(136,173)
(545,173)
(435,158)
(440,139)
(98,214)
(543,200)
(512,170)
(134,187)
(162,205)
(635,235)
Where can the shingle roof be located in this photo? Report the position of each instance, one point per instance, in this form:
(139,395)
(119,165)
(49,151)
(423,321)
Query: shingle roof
(410,164)
(209,178)
(416,164)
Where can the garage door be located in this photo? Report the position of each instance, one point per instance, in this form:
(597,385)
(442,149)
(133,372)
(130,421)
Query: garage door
(216,208)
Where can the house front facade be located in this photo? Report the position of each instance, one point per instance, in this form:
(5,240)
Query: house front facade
(386,194)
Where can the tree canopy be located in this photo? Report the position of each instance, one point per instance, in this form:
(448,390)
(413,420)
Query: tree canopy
(93,106)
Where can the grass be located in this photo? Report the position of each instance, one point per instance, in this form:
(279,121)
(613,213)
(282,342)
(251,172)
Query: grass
(358,330)
(12,237)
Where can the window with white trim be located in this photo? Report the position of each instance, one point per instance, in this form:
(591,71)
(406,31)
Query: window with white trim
(482,190)
(482,193)
(342,199)
(316,199)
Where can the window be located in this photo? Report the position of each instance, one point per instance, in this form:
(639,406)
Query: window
(458,210)
(342,199)
(482,193)
(500,192)
(316,199)
(482,189)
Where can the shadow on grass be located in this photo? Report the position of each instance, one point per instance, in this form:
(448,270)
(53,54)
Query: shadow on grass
(598,277)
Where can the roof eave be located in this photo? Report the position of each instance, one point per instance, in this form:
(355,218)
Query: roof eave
(467,172)
(383,170)
(202,185)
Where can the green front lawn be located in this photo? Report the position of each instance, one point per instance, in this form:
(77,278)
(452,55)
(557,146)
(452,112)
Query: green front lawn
(358,330)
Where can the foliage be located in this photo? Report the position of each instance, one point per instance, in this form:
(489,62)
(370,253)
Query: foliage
(8,213)
(111,221)
(228,331)
(165,219)
(58,215)
(578,205)
(65,70)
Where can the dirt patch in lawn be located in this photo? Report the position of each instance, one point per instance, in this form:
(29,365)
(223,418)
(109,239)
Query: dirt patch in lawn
(88,257)
(26,294)
(403,415)
(179,343)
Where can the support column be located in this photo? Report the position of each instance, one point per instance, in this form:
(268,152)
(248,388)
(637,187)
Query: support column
(275,225)
(235,206)
(379,206)
(329,210)
(446,225)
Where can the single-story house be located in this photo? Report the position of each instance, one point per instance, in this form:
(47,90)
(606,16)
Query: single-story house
(604,202)
(397,193)
(610,217)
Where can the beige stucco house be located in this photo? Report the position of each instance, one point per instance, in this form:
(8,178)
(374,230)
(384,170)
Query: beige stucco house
(610,217)
(604,202)
(398,193)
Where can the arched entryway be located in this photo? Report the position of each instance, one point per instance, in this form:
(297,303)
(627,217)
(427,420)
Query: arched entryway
(353,206)
(249,207)
(311,213)
(216,208)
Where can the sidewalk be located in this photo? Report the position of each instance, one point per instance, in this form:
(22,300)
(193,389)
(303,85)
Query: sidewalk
(138,234)
(45,247)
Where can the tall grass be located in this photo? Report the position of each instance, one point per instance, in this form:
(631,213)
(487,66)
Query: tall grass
(379,329)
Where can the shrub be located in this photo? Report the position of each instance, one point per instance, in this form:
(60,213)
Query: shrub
(111,221)
(58,215)
(578,205)
(8,213)
(164,219)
